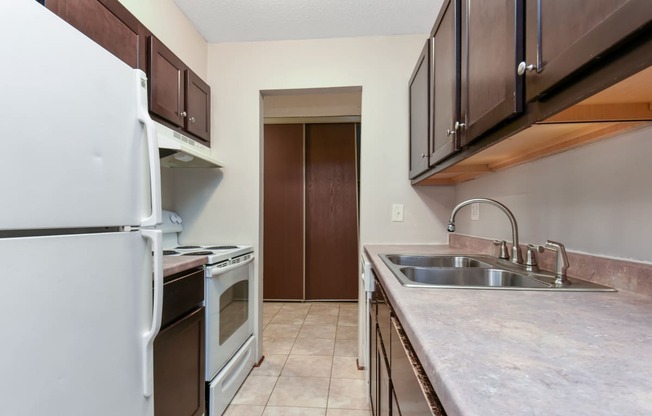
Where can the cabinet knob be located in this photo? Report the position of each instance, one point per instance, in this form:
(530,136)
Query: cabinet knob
(192,119)
(450,132)
(423,155)
(459,125)
(183,114)
(522,67)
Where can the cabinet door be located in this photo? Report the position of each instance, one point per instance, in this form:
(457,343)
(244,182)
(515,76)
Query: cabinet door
(198,107)
(492,48)
(445,82)
(179,385)
(373,364)
(166,83)
(107,22)
(408,390)
(420,113)
(384,385)
(396,410)
(384,316)
(562,36)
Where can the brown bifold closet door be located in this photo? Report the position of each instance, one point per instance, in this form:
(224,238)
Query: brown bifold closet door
(331,212)
(283,227)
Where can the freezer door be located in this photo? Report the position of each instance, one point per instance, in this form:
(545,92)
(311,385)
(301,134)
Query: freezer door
(78,148)
(75,312)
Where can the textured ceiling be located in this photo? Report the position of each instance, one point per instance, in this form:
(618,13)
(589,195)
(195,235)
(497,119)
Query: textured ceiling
(259,20)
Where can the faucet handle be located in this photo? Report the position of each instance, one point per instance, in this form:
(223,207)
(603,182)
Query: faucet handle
(562,261)
(504,253)
(531,257)
(531,254)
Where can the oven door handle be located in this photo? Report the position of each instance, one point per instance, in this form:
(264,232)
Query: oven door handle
(156,238)
(216,271)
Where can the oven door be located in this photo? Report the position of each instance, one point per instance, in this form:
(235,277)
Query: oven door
(229,312)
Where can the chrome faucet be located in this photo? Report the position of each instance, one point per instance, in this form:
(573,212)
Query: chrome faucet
(517,257)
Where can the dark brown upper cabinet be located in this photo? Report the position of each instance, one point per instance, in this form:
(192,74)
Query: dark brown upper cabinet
(178,95)
(420,113)
(492,47)
(166,73)
(564,36)
(198,106)
(445,82)
(536,77)
(107,22)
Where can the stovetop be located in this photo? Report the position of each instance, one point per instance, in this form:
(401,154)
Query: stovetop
(215,253)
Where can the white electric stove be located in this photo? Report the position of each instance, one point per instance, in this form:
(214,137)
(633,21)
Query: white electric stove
(230,308)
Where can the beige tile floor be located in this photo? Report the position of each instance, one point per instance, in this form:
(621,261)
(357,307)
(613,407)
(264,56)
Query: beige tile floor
(310,364)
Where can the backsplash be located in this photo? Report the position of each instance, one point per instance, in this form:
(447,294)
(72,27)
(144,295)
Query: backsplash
(621,274)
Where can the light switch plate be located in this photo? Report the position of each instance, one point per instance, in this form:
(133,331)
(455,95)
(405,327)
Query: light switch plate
(475,211)
(397,212)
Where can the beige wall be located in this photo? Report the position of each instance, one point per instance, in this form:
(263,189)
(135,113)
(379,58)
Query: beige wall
(170,25)
(225,205)
(322,104)
(596,199)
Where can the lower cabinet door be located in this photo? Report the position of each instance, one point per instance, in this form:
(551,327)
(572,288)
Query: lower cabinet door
(396,410)
(373,364)
(179,368)
(384,385)
(413,394)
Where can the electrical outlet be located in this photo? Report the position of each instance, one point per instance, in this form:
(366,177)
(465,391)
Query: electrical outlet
(397,212)
(475,211)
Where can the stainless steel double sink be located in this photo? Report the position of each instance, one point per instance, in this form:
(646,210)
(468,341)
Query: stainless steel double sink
(474,272)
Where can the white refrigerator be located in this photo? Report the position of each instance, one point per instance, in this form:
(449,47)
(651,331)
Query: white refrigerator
(80,267)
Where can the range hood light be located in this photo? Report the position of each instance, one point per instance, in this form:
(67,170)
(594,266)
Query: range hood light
(183,157)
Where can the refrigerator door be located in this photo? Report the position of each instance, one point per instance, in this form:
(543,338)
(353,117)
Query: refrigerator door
(76,313)
(79,148)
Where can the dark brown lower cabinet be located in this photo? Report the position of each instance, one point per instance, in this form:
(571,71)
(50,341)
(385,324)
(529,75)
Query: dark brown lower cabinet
(373,357)
(398,384)
(179,385)
(179,368)
(407,389)
(384,384)
(396,410)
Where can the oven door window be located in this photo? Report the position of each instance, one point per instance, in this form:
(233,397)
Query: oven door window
(234,309)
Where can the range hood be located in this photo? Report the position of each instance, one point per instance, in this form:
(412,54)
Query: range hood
(179,151)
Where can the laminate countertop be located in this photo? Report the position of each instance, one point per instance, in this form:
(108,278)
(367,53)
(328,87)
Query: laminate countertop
(177,264)
(504,352)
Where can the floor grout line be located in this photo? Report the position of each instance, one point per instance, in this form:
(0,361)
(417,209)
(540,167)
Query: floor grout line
(332,355)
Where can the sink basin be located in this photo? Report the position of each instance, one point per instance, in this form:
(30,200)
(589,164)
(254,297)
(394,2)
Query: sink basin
(435,261)
(463,271)
(469,278)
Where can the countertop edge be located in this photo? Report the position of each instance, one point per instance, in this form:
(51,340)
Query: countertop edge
(178,264)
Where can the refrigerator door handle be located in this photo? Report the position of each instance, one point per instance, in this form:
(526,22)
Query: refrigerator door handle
(152,151)
(156,238)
